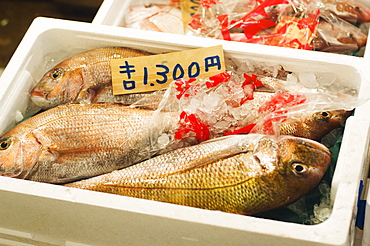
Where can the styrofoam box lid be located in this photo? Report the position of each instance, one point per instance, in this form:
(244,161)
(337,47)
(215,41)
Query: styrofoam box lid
(67,216)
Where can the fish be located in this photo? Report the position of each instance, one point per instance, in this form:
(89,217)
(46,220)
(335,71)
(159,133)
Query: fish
(76,141)
(224,111)
(348,10)
(241,174)
(155,17)
(315,125)
(338,36)
(331,32)
(83,78)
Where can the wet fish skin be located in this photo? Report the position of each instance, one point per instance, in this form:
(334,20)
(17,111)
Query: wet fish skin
(349,10)
(79,78)
(315,126)
(338,36)
(76,141)
(243,174)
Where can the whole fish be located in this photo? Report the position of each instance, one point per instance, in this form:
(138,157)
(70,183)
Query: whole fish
(316,125)
(243,174)
(155,17)
(348,10)
(75,141)
(338,36)
(80,78)
(221,110)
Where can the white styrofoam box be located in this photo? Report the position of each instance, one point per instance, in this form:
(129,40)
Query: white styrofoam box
(366,229)
(66,216)
(113,12)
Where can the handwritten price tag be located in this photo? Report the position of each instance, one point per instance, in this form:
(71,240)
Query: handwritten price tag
(151,73)
(188,9)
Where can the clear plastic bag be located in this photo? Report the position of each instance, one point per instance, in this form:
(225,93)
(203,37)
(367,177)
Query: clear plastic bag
(299,24)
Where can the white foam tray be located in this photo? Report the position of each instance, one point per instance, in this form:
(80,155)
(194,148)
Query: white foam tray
(37,212)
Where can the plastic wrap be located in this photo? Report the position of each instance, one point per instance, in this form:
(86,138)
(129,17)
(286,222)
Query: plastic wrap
(296,24)
(323,25)
(237,102)
(161,16)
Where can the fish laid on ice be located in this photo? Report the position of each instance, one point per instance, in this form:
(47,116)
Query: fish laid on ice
(80,78)
(223,109)
(75,141)
(315,126)
(243,174)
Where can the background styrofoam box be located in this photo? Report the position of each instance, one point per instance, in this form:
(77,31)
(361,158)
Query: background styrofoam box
(64,216)
(113,12)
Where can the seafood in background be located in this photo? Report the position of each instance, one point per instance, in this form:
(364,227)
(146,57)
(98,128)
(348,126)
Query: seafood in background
(76,141)
(296,24)
(338,36)
(155,17)
(80,78)
(242,174)
(348,10)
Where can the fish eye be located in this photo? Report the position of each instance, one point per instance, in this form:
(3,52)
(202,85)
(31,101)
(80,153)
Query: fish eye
(299,168)
(323,116)
(5,143)
(357,8)
(56,73)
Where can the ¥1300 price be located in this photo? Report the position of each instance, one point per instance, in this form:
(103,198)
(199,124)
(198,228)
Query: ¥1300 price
(163,73)
(155,72)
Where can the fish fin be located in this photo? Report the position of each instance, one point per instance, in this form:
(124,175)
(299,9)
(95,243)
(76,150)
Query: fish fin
(218,139)
(49,155)
(85,96)
(41,138)
(43,164)
(265,88)
(221,153)
(266,152)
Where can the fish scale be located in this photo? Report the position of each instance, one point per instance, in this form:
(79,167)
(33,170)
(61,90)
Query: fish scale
(81,77)
(75,141)
(236,174)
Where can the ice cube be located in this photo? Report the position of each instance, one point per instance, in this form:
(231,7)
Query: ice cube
(18,116)
(163,141)
(321,213)
(193,106)
(212,101)
(308,79)
(326,78)
(291,78)
(223,124)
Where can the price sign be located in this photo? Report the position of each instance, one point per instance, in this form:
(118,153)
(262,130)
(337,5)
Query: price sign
(188,9)
(151,73)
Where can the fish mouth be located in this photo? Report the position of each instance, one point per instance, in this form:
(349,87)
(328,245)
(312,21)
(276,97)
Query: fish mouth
(317,145)
(341,115)
(311,144)
(39,99)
